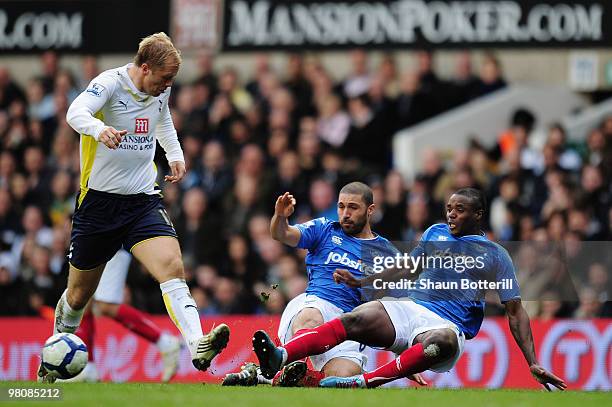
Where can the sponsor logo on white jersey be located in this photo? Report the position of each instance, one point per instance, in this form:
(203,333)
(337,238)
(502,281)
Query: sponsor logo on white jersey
(141,126)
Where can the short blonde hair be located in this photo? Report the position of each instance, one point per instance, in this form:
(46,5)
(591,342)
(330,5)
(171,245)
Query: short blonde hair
(157,50)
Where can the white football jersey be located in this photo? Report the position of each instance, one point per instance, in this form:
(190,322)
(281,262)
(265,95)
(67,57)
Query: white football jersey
(112,99)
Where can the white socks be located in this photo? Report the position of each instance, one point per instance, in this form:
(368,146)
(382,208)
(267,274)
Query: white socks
(183,311)
(66,318)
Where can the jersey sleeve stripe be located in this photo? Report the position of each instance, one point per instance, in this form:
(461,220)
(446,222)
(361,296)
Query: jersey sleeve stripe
(88,154)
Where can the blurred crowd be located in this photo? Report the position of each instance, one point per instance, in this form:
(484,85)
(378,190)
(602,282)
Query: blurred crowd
(299,129)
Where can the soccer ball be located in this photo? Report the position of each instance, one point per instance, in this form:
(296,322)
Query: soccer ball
(64,355)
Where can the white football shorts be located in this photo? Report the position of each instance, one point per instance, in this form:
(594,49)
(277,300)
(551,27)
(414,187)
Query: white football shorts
(411,319)
(112,282)
(347,350)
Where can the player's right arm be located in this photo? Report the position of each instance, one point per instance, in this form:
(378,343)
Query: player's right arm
(81,113)
(279,225)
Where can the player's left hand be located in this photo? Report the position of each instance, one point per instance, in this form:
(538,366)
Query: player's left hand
(545,377)
(418,379)
(178,172)
(342,276)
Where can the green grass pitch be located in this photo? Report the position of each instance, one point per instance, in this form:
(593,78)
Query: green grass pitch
(141,395)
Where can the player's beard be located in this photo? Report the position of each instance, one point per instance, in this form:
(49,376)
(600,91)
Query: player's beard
(356,227)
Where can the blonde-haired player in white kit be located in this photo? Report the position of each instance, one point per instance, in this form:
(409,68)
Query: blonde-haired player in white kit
(120,116)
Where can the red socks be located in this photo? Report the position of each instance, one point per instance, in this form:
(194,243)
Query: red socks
(137,322)
(87,331)
(411,361)
(307,342)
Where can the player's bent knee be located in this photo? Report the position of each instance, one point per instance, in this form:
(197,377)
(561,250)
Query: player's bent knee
(307,324)
(169,268)
(441,344)
(78,298)
(354,323)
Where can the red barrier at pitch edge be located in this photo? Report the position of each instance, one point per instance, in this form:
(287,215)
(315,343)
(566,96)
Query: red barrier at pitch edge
(579,351)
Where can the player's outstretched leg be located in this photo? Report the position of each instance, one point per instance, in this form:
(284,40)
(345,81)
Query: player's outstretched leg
(162,257)
(182,309)
(412,360)
(310,342)
(87,332)
(435,346)
(71,306)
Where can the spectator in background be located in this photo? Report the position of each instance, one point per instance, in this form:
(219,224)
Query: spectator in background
(590,306)
(506,209)
(600,281)
(288,177)
(35,232)
(261,69)
(551,306)
(358,81)
(432,169)
(193,121)
(9,220)
(7,168)
(491,78)
(203,301)
(418,219)
(309,148)
(382,106)
(241,205)
(323,200)
(226,296)
(49,63)
(221,115)
(388,75)
(10,92)
(63,152)
(89,70)
(243,264)
(569,158)
(334,123)
(392,219)
(63,198)
(213,174)
(199,231)
(37,176)
(296,82)
(12,290)
(517,138)
(369,139)
(597,194)
(58,260)
(252,164)
(413,105)
(205,70)
(230,86)
(43,281)
(465,84)
(431,85)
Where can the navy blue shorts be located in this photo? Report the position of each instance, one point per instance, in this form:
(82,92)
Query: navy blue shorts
(105,222)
